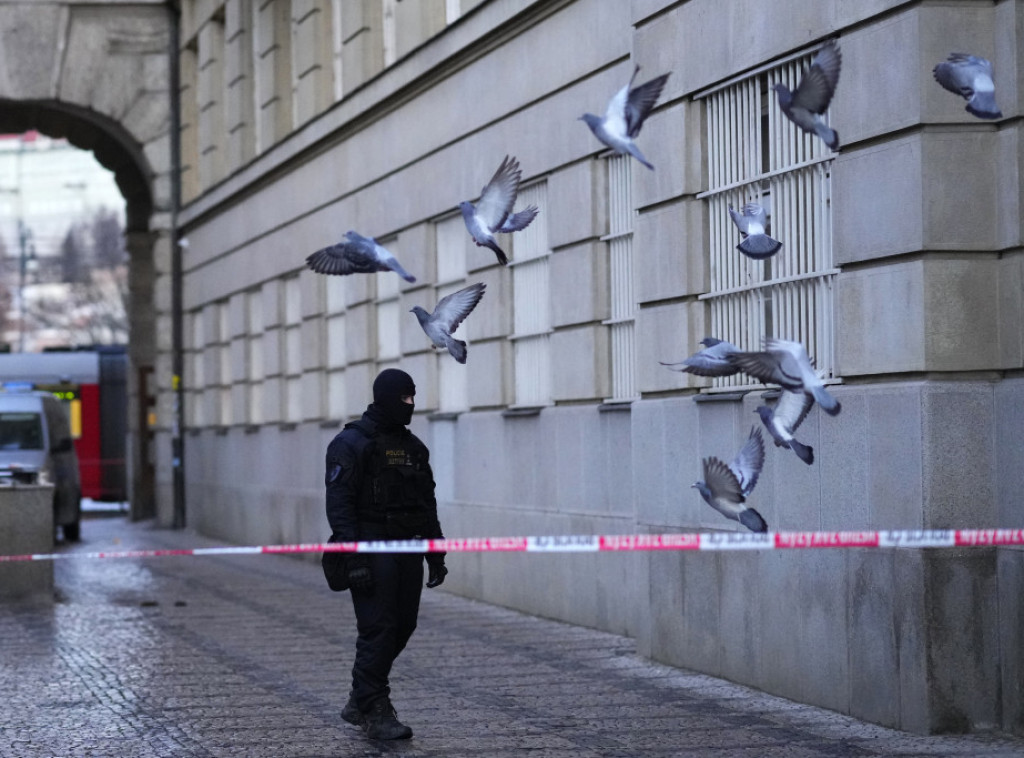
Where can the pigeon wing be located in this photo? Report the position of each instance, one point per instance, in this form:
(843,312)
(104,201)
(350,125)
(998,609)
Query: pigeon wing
(818,84)
(343,258)
(722,481)
(453,308)
(757,216)
(520,220)
(954,74)
(765,367)
(498,197)
(792,409)
(640,102)
(747,464)
(739,219)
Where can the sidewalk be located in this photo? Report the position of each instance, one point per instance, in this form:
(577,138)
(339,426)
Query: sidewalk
(250,656)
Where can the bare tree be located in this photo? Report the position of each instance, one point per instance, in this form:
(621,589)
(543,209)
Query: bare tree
(90,308)
(73,266)
(107,239)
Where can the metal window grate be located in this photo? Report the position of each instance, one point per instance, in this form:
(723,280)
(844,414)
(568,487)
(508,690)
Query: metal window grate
(755,154)
(532,304)
(622,323)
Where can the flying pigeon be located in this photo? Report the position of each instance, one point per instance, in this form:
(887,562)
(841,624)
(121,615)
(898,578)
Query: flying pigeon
(356,254)
(786,363)
(970,77)
(725,488)
(805,106)
(625,115)
(752,222)
(789,412)
(711,361)
(493,213)
(448,314)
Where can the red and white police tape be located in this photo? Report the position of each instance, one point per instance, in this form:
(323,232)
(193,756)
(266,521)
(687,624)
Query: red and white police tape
(720,541)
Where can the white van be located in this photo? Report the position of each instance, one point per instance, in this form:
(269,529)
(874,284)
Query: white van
(35,435)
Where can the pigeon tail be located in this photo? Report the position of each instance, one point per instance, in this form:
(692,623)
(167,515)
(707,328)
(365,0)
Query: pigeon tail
(752,520)
(635,152)
(502,258)
(759,246)
(803,452)
(397,268)
(458,349)
(829,136)
(828,403)
(983,105)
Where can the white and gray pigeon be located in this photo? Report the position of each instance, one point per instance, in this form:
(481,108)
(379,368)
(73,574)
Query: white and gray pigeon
(448,314)
(970,77)
(782,420)
(752,222)
(356,254)
(711,361)
(787,364)
(725,487)
(806,105)
(625,114)
(492,213)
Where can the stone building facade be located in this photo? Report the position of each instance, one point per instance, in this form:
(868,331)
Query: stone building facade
(901,271)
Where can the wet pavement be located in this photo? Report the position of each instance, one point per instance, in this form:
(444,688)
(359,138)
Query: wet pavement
(250,656)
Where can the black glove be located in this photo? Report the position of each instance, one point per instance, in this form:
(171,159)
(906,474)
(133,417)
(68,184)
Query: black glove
(360,577)
(436,570)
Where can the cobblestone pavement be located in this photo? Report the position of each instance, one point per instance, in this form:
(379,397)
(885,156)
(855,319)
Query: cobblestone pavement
(250,656)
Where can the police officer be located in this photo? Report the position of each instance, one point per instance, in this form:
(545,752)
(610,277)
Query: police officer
(380,486)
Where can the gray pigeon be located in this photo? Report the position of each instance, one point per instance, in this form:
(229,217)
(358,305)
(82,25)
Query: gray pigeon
(789,412)
(725,488)
(970,77)
(447,315)
(805,106)
(752,224)
(356,254)
(786,363)
(711,361)
(493,212)
(625,115)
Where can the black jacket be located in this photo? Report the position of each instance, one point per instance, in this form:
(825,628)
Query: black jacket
(348,478)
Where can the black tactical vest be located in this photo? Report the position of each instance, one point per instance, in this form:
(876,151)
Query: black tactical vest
(397,488)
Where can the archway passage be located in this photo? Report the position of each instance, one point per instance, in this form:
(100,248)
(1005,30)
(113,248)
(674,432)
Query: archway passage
(113,147)
(116,150)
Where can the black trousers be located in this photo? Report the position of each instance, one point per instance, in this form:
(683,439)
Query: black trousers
(385,620)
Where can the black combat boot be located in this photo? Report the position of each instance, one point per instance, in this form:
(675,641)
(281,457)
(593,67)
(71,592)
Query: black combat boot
(352,714)
(382,723)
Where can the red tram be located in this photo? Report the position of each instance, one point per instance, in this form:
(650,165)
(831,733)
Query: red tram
(92,386)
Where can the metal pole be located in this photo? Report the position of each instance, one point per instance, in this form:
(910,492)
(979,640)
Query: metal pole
(177,337)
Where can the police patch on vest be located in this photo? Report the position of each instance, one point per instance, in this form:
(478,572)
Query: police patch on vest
(397,456)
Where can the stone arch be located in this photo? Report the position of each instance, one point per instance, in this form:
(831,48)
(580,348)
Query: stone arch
(99,76)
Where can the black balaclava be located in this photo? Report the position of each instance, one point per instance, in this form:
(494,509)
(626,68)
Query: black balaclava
(388,388)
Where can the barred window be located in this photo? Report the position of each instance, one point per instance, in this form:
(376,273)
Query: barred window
(334,287)
(196,375)
(756,154)
(450,238)
(291,349)
(623,299)
(223,350)
(389,343)
(531,305)
(254,356)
